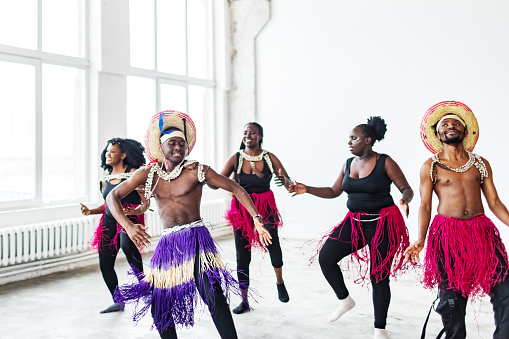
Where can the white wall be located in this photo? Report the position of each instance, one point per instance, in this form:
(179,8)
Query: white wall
(324,66)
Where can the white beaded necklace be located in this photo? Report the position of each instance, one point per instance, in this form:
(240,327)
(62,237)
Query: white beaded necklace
(252,159)
(473,160)
(171,175)
(109,177)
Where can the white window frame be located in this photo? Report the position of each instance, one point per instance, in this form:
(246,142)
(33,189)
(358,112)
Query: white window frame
(37,58)
(180,80)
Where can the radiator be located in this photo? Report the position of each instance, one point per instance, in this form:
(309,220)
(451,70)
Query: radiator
(31,243)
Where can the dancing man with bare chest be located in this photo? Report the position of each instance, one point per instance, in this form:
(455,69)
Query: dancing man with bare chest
(186,261)
(465,257)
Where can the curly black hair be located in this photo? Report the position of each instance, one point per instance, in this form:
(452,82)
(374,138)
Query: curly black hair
(374,129)
(132,149)
(260,131)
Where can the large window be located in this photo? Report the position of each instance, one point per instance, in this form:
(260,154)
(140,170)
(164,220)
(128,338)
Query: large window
(172,67)
(43,63)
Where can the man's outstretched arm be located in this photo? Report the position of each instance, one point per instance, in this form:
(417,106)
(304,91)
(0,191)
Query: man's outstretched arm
(136,232)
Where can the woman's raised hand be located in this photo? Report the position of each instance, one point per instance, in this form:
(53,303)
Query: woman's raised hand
(84,210)
(297,189)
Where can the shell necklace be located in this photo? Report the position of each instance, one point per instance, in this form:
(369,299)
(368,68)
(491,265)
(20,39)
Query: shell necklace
(461,169)
(473,160)
(109,177)
(252,159)
(168,176)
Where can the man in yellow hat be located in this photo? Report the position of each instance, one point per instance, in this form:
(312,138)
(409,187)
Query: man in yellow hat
(465,256)
(186,261)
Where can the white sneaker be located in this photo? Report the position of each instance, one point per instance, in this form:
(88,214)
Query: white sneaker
(345,305)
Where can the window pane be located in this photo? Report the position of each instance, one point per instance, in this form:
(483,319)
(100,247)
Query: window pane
(63,113)
(141,99)
(201,110)
(141,29)
(17,131)
(173,98)
(18,23)
(63,27)
(199,35)
(171,36)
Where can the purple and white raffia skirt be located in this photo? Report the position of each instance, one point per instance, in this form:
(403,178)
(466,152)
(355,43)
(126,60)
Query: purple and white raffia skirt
(169,284)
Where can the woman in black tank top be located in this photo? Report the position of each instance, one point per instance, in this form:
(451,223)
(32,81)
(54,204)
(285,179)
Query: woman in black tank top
(252,168)
(374,229)
(119,159)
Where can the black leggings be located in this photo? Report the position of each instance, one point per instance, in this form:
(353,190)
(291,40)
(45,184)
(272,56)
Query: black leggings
(334,250)
(216,303)
(108,254)
(244,254)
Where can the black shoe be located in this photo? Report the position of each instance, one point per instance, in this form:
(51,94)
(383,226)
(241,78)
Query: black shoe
(282,293)
(242,308)
(115,307)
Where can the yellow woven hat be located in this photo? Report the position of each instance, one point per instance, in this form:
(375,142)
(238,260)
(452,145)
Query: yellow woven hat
(435,113)
(162,121)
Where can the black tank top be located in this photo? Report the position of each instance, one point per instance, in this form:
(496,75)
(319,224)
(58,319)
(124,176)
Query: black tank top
(132,198)
(369,194)
(251,182)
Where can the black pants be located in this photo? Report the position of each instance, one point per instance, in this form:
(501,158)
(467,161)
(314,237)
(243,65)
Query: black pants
(216,303)
(244,254)
(453,304)
(334,250)
(108,254)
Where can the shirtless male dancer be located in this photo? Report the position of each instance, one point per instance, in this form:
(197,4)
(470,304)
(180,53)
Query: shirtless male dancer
(186,260)
(465,256)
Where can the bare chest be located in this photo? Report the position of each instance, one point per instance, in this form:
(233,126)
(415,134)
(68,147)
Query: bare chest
(446,178)
(185,185)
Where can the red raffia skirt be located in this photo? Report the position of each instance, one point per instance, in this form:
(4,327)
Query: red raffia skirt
(240,219)
(99,240)
(466,251)
(390,221)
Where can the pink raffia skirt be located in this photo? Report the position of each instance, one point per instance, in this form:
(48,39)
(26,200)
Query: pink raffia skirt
(466,251)
(99,240)
(240,219)
(390,221)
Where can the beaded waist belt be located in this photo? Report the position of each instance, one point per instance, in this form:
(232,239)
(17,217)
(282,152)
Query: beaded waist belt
(169,230)
(378,216)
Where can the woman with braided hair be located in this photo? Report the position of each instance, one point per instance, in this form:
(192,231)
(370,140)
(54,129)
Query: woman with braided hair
(119,159)
(373,229)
